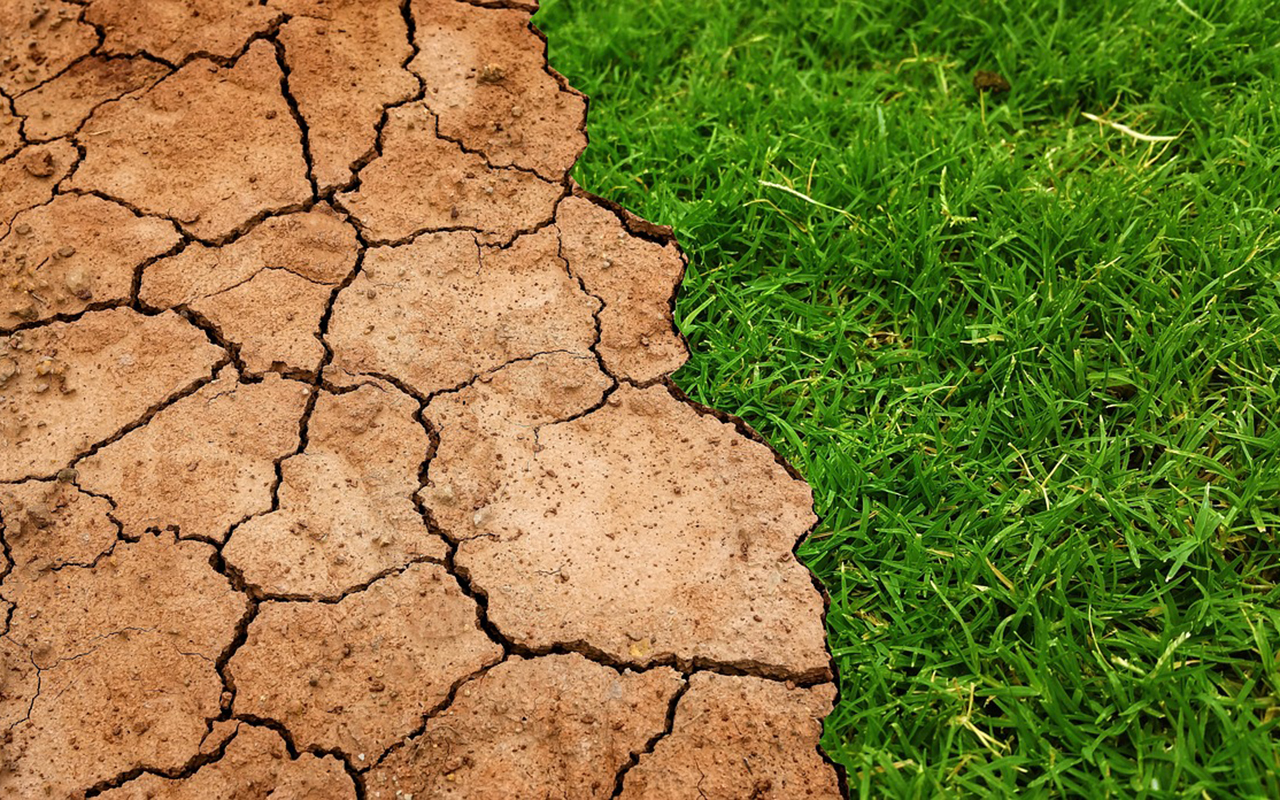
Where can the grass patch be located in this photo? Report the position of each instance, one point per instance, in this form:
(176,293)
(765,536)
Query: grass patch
(1029,362)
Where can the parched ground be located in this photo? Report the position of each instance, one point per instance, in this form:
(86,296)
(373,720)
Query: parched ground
(339,455)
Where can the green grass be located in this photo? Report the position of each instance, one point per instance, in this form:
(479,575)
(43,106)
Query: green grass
(1030,363)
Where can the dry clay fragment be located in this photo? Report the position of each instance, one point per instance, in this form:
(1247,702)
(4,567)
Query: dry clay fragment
(69,385)
(488,432)
(10,130)
(650,532)
(155,584)
(265,292)
(739,737)
(346,62)
(29,177)
(274,318)
(554,726)
(19,683)
(76,251)
(50,524)
(359,675)
(423,183)
(133,701)
(40,38)
(488,82)
(58,107)
(254,765)
(346,510)
(435,314)
(211,147)
(636,279)
(126,652)
(204,463)
(176,29)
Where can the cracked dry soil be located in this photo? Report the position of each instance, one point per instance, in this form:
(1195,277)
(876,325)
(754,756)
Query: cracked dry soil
(338,453)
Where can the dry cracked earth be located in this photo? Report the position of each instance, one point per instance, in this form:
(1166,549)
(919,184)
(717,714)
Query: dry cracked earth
(338,456)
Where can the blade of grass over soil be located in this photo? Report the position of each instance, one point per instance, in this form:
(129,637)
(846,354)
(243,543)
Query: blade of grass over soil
(1025,345)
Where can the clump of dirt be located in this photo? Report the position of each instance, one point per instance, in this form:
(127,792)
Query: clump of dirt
(987,82)
(339,455)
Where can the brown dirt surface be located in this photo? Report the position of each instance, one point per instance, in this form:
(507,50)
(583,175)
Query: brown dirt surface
(210,147)
(69,386)
(265,292)
(488,83)
(347,513)
(10,129)
(255,764)
(739,737)
(75,252)
(346,64)
(51,524)
(57,108)
(204,463)
(339,454)
(634,279)
(350,675)
(439,311)
(125,657)
(28,178)
(38,40)
(676,510)
(556,726)
(425,183)
(175,30)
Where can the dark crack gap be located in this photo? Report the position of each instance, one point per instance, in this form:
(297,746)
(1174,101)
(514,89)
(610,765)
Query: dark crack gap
(488,162)
(513,5)
(359,588)
(231,236)
(304,130)
(595,315)
(6,567)
(291,746)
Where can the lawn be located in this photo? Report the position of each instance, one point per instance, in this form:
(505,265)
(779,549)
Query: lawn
(1025,345)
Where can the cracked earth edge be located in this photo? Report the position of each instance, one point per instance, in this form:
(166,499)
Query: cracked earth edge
(340,452)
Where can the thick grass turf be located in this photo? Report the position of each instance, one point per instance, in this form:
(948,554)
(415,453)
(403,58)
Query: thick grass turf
(1029,361)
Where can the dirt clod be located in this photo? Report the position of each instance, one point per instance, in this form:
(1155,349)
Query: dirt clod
(443,310)
(58,107)
(126,652)
(204,463)
(267,291)
(425,183)
(176,29)
(41,38)
(123,365)
(992,82)
(733,564)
